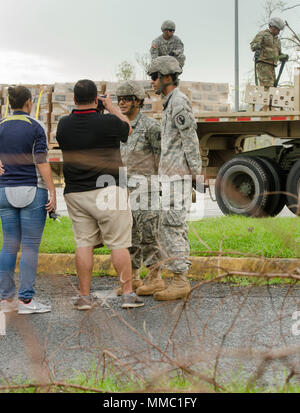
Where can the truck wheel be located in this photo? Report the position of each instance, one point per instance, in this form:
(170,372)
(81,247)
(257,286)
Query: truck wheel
(242,187)
(293,188)
(276,202)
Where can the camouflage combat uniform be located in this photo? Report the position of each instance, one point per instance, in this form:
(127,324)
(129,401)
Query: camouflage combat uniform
(270,51)
(140,154)
(162,47)
(180,156)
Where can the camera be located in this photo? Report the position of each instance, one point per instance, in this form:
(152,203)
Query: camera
(100,104)
(53,215)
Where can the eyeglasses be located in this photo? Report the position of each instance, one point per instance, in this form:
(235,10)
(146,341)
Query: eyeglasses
(154,76)
(170,30)
(126,98)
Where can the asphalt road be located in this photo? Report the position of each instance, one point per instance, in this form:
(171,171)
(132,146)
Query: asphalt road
(205,208)
(233,325)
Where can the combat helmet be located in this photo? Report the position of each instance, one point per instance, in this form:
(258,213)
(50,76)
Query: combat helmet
(168,24)
(277,22)
(131,88)
(165,65)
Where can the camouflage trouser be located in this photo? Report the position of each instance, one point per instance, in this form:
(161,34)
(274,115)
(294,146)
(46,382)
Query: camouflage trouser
(145,247)
(173,230)
(266,75)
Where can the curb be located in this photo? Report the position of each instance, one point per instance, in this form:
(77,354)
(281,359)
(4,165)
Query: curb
(63,264)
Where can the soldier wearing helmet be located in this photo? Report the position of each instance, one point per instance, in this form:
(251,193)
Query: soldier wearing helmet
(180,163)
(140,154)
(267,48)
(168,44)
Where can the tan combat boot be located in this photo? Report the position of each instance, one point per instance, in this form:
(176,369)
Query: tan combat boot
(152,283)
(178,288)
(136,282)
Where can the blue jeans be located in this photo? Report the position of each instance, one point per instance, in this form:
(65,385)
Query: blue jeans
(21,227)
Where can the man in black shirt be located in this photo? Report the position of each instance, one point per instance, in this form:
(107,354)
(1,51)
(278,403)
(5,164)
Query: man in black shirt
(96,201)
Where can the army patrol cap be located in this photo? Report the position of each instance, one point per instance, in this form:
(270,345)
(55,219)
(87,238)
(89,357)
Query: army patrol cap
(168,24)
(131,88)
(277,22)
(165,65)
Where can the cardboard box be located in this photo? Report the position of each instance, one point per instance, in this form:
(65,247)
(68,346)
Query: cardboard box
(52,136)
(62,108)
(187,91)
(46,96)
(146,84)
(208,107)
(55,118)
(63,98)
(45,117)
(63,88)
(256,95)
(44,112)
(196,96)
(111,87)
(206,87)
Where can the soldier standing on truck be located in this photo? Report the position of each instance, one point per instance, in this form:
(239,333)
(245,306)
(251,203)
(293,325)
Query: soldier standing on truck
(180,162)
(141,154)
(168,44)
(267,48)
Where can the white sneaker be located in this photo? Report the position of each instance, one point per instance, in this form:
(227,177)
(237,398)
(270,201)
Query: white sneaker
(8,306)
(33,307)
(131,301)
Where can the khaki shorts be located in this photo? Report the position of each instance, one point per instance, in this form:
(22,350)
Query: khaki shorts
(99,217)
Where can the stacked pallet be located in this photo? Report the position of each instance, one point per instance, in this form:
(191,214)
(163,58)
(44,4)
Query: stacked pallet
(63,104)
(207,97)
(41,95)
(57,100)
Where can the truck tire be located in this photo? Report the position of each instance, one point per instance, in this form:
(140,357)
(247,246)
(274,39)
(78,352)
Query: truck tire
(293,188)
(276,202)
(242,187)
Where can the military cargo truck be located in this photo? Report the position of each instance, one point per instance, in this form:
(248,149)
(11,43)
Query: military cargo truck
(251,183)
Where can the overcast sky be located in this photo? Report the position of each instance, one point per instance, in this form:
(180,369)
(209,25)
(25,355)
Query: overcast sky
(64,40)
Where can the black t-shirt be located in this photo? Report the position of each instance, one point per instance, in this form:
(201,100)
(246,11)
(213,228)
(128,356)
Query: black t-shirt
(90,144)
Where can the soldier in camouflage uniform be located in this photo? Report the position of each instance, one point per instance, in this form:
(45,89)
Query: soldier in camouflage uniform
(168,44)
(140,154)
(267,48)
(180,162)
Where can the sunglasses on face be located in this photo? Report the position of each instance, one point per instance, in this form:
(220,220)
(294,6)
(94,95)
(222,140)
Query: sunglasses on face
(154,76)
(170,30)
(126,99)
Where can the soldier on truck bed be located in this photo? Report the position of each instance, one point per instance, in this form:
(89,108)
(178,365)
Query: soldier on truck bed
(168,44)
(267,48)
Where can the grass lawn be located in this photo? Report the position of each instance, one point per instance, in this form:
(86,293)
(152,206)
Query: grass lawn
(92,382)
(270,237)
